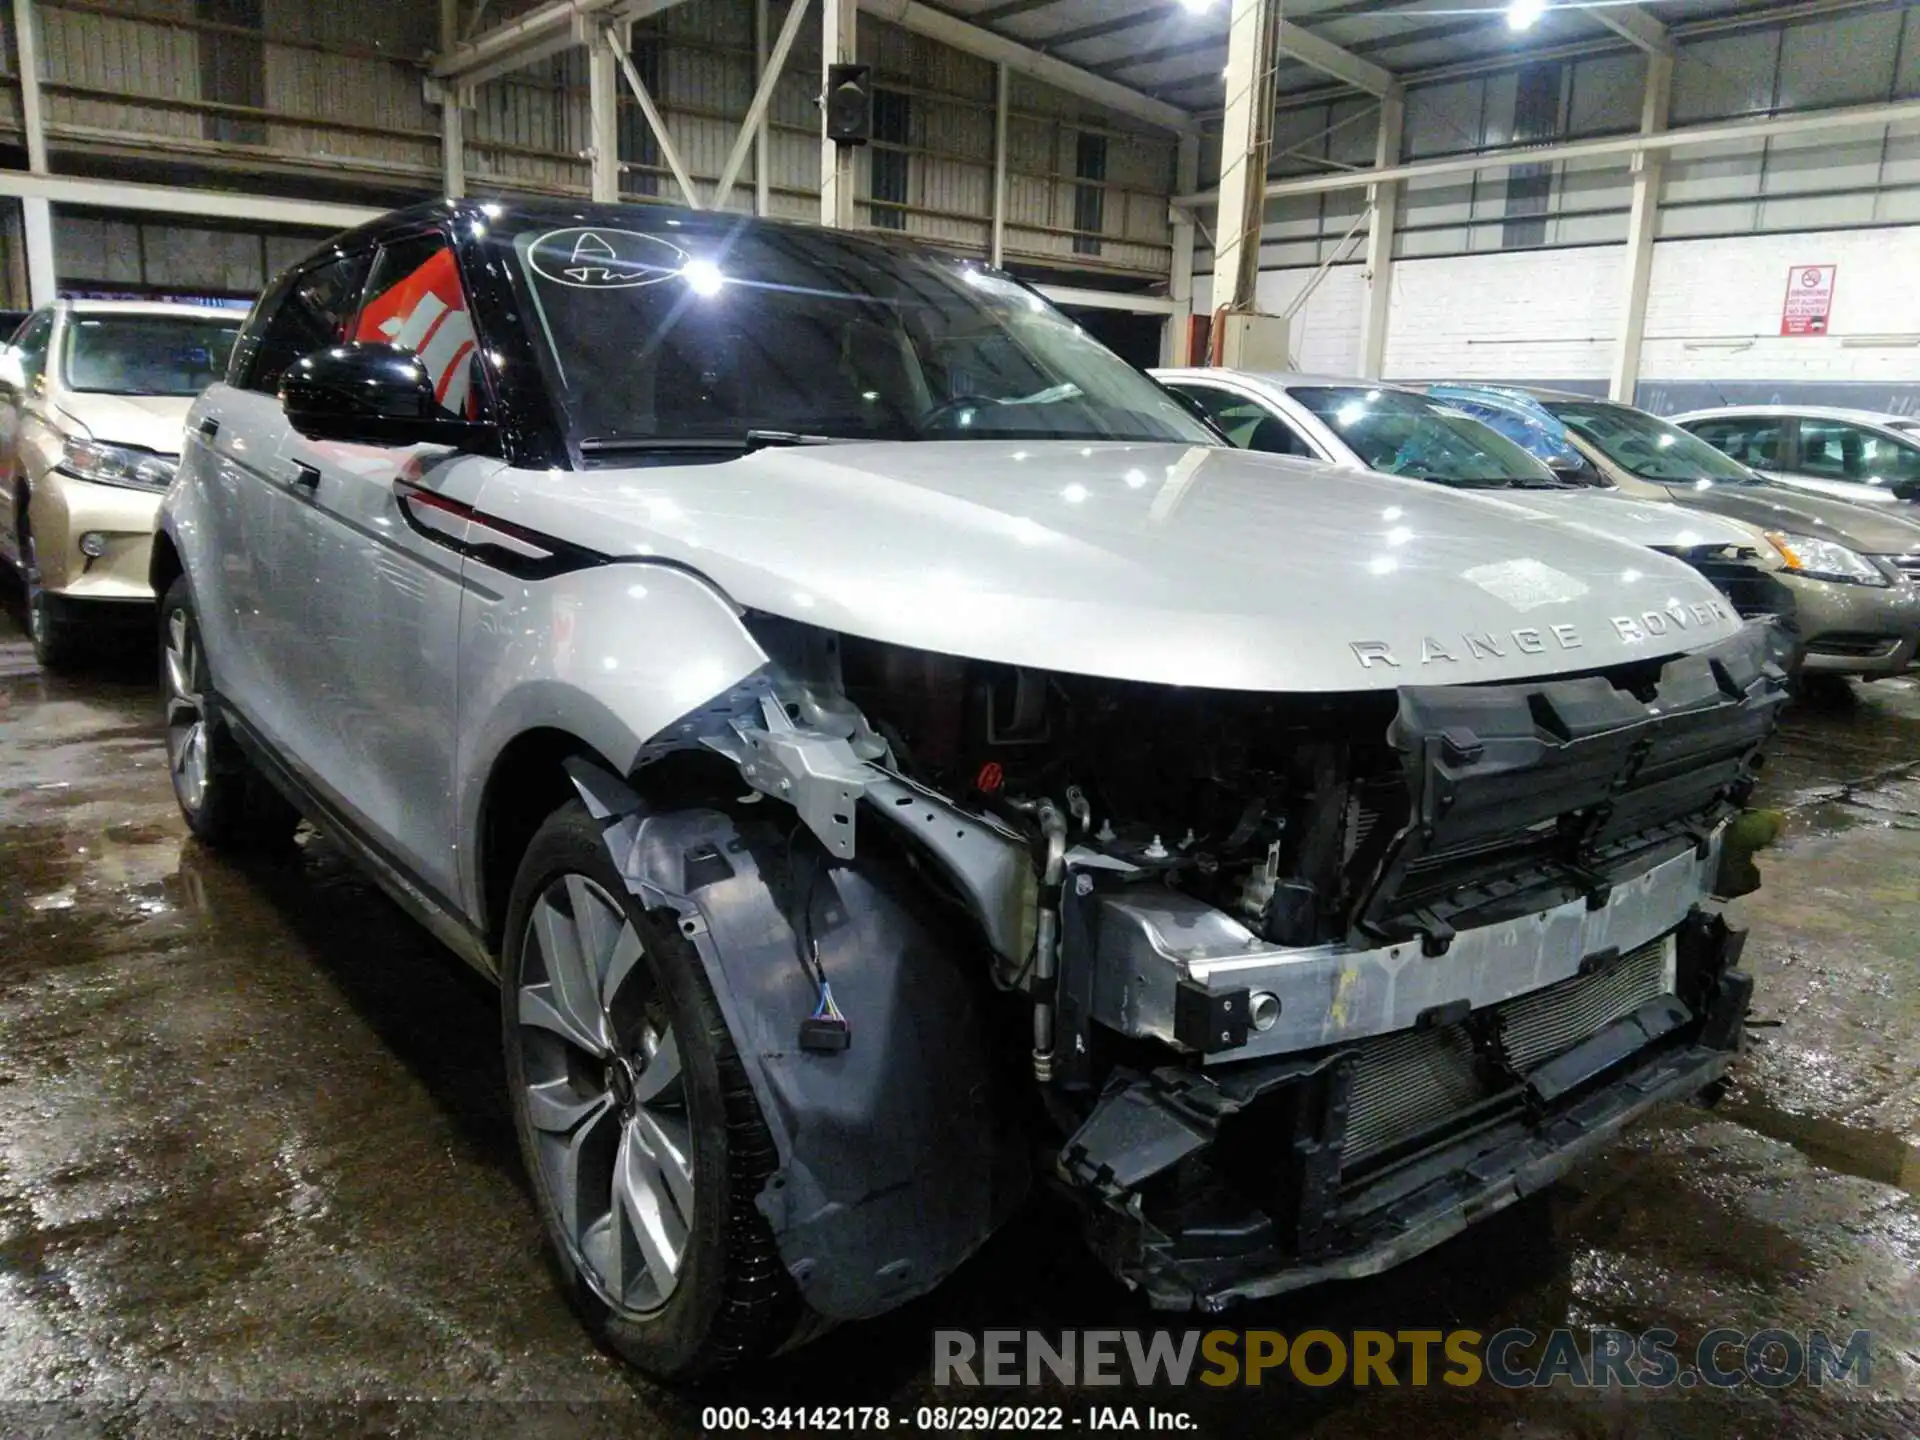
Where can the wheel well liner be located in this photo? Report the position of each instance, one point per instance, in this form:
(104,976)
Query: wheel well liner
(528,781)
(896,1158)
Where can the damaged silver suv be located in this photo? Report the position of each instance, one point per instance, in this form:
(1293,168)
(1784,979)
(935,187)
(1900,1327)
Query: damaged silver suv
(889,755)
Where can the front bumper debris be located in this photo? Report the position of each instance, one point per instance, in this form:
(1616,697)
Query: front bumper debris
(1209,1187)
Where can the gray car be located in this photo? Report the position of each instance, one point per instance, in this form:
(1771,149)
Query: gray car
(1857,455)
(1854,570)
(874,738)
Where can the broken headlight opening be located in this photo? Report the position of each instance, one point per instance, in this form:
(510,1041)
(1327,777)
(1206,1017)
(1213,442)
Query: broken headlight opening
(1306,981)
(1735,572)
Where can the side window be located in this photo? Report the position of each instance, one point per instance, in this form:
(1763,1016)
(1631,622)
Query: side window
(313,311)
(1834,450)
(31,344)
(1757,440)
(1247,423)
(415,300)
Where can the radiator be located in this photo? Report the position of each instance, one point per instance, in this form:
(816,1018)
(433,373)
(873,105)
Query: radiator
(1417,1080)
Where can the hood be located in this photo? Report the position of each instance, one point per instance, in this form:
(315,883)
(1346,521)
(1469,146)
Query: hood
(1872,530)
(1653,523)
(152,422)
(1164,563)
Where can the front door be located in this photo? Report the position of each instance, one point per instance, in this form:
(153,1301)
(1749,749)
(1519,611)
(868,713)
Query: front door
(381,607)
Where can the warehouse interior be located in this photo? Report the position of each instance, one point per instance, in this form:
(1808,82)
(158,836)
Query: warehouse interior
(1680,158)
(259,1165)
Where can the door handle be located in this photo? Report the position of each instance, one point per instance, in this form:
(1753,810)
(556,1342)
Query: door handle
(305,476)
(208,427)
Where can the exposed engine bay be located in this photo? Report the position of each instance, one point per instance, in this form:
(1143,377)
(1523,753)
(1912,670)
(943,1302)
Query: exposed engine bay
(1260,805)
(1294,966)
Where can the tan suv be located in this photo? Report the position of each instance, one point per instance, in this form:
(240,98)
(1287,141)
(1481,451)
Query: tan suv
(93,395)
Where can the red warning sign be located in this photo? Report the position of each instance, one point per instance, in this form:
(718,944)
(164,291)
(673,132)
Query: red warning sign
(1809,300)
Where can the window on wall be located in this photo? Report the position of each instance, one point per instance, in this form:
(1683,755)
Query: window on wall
(1089,201)
(1536,118)
(638,147)
(233,69)
(891,173)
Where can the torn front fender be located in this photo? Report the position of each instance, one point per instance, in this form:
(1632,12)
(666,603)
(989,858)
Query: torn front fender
(893,1164)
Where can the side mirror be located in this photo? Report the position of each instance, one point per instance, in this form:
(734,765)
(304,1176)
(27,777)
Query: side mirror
(13,374)
(373,394)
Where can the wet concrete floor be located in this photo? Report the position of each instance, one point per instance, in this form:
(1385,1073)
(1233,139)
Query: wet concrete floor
(257,1174)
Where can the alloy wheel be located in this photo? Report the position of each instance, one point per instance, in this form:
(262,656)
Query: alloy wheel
(187,739)
(605,1094)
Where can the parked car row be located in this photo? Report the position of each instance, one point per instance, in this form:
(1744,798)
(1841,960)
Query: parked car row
(1846,574)
(887,751)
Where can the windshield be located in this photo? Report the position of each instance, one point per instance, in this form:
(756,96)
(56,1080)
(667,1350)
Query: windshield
(710,331)
(147,354)
(1403,434)
(1647,446)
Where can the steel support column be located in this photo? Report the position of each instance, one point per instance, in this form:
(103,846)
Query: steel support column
(1383,214)
(754,127)
(656,122)
(603,116)
(838,24)
(998,249)
(1244,142)
(36,214)
(762,148)
(453,153)
(453,145)
(1642,221)
(1175,340)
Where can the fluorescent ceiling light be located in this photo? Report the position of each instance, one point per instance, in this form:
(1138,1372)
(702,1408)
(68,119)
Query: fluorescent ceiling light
(1522,13)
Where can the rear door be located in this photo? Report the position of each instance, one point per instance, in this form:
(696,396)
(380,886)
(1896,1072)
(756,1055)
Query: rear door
(377,546)
(1854,462)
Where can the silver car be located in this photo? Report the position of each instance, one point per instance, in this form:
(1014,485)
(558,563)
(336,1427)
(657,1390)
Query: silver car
(1857,455)
(1367,425)
(867,731)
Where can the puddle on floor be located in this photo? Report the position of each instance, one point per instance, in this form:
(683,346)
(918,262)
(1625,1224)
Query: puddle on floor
(1866,1154)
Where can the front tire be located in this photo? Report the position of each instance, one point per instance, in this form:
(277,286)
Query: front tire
(226,802)
(636,1122)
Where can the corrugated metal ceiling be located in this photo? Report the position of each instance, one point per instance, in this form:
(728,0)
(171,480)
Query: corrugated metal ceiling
(1168,49)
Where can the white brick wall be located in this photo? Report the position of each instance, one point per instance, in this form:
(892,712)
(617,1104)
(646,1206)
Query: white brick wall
(1522,314)
(1713,311)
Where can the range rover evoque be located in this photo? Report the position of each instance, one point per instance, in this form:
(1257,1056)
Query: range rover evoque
(889,754)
